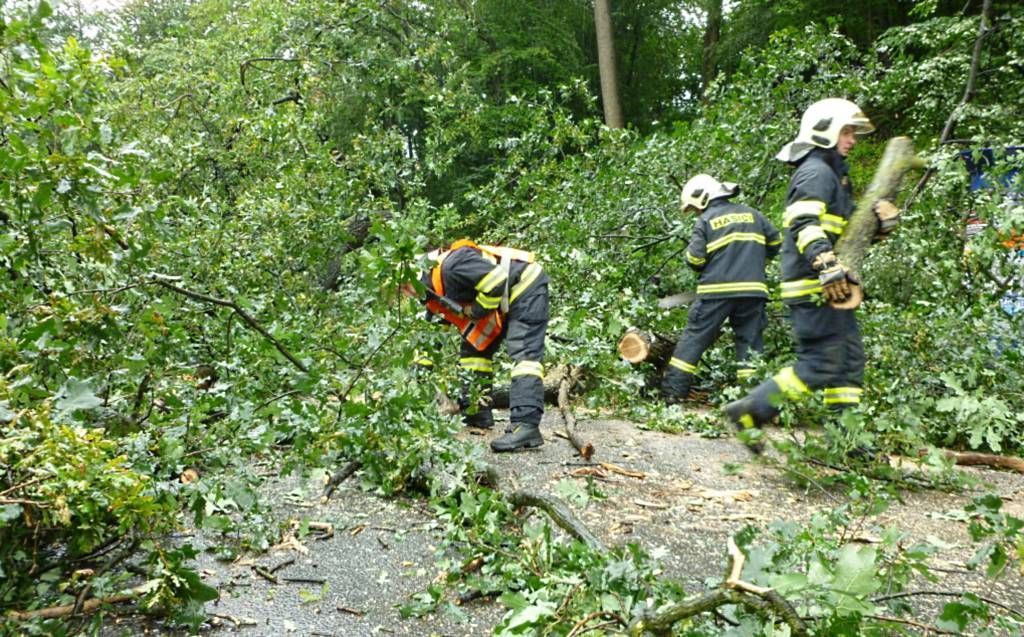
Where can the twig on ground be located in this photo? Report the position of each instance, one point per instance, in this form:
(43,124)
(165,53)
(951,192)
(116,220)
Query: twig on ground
(265,574)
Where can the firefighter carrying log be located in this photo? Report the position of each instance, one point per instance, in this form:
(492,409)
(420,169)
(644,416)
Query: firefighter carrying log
(729,247)
(493,294)
(819,203)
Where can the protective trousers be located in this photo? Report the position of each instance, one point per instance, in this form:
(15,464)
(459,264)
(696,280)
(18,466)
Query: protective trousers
(830,355)
(747,319)
(525,329)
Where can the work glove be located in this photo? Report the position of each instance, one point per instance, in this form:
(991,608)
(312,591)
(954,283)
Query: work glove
(888,216)
(832,275)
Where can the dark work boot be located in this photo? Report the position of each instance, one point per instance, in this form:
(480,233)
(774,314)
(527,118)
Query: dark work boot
(674,393)
(522,436)
(482,419)
(746,428)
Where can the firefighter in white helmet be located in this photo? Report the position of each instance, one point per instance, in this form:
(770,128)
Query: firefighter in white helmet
(729,247)
(819,203)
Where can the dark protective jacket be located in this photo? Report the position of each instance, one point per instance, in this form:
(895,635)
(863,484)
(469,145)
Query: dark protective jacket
(474,277)
(819,204)
(729,246)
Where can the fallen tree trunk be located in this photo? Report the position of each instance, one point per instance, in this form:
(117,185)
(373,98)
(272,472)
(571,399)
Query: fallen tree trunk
(897,160)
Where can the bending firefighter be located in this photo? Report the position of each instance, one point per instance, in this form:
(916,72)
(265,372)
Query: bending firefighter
(819,202)
(494,294)
(729,247)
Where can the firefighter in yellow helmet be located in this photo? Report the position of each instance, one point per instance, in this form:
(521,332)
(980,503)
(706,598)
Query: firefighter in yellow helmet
(729,247)
(819,203)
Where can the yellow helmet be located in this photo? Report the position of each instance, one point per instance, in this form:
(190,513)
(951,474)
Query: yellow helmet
(821,124)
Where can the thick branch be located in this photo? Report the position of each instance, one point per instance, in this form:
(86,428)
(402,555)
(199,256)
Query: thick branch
(560,513)
(984,26)
(585,448)
(898,159)
(971,458)
(552,384)
(637,346)
(249,320)
(340,476)
(733,591)
(88,606)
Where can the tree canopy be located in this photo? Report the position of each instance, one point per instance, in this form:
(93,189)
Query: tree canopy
(206,207)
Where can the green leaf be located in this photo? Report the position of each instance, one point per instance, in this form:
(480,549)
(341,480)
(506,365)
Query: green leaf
(526,617)
(789,583)
(10,512)
(855,578)
(513,600)
(77,394)
(195,589)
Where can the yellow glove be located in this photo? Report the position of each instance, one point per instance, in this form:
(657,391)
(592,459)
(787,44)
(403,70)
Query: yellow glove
(832,275)
(888,216)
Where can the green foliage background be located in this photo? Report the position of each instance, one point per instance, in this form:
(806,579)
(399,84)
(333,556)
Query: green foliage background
(205,206)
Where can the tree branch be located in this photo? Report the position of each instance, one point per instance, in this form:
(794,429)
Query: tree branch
(165,282)
(90,605)
(934,593)
(732,591)
(984,26)
(251,61)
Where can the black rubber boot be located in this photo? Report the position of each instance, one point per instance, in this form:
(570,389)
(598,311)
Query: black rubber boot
(746,428)
(482,419)
(522,436)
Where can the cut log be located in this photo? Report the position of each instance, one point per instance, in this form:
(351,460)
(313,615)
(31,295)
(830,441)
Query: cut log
(637,346)
(897,160)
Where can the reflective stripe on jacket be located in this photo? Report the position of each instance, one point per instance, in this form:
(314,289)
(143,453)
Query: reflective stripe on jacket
(819,204)
(484,280)
(729,247)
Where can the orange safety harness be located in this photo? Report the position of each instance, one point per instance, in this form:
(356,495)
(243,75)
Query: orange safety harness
(480,333)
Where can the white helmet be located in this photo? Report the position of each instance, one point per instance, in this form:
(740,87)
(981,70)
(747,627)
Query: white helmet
(701,189)
(821,124)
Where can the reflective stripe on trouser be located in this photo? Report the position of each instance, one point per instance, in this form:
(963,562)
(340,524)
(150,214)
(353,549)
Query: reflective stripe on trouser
(526,327)
(477,364)
(842,397)
(478,376)
(830,354)
(704,322)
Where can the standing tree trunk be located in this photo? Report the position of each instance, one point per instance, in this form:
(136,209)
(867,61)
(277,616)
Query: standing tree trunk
(606,64)
(712,33)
